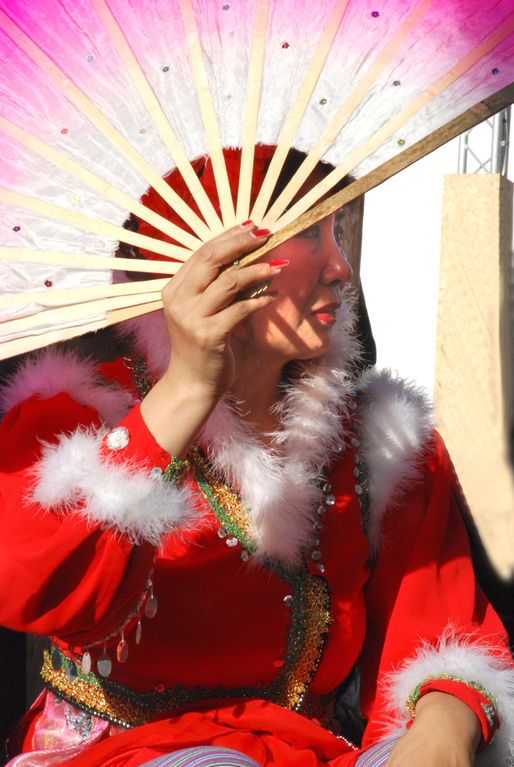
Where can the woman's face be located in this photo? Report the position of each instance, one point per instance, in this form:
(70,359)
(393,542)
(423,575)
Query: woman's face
(297,324)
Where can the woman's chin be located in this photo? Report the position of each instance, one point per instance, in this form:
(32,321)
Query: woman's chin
(317,348)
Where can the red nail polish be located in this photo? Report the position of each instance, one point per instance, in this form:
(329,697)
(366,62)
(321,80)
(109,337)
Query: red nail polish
(261,233)
(246,223)
(271,293)
(276,264)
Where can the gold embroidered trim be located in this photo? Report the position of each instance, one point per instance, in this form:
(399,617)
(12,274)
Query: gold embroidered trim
(223,500)
(307,636)
(120,705)
(310,621)
(310,609)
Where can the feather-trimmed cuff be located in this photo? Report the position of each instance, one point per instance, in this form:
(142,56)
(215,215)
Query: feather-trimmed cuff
(472,660)
(77,475)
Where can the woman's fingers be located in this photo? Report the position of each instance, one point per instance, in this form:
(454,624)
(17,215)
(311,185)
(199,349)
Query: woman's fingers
(229,318)
(204,266)
(231,286)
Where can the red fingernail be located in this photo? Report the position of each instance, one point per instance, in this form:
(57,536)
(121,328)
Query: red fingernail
(246,223)
(260,233)
(276,264)
(271,293)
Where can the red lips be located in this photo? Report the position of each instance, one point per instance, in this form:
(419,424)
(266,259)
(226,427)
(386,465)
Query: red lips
(327,313)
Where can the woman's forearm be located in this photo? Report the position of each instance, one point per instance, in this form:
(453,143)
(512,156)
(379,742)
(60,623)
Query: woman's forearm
(174,412)
(445,733)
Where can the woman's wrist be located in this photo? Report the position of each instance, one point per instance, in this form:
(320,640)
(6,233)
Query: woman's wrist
(440,711)
(174,412)
(473,695)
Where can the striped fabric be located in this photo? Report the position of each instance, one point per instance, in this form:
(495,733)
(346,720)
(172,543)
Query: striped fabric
(213,756)
(376,756)
(207,756)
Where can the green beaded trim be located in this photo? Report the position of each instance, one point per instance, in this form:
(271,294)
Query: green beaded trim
(118,704)
(176,470)
(415,694)
(310,605)
(228,511)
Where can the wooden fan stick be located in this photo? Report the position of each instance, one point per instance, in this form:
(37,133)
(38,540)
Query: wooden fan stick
(252,110)
(30,343)
(346,111)
(298,110)
(472,117)
(159,118)
(81,173)
(109,131)
(94,225)
(81,261)
(80,295)
(393,125)
(74,312)
(208,114)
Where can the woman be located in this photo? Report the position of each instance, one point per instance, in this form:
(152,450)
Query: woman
(235,497)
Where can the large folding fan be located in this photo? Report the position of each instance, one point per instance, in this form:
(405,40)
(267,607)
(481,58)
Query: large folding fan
(101,99)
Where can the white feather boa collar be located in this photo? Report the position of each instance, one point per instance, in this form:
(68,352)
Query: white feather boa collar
(279,484)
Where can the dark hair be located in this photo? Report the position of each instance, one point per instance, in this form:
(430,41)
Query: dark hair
(292,163)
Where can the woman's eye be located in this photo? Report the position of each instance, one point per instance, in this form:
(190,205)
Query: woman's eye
(313,232)
(338,235)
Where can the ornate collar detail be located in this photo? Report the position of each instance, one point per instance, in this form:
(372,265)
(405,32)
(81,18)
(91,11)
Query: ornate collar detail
(279,485)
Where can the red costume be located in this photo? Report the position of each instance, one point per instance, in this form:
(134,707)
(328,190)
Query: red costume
(265,607)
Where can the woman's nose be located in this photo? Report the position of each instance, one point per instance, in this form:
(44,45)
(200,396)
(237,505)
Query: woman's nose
(336,268)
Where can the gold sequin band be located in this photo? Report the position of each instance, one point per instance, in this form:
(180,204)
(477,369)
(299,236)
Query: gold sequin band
(415,694)
(310,606)
(120,705)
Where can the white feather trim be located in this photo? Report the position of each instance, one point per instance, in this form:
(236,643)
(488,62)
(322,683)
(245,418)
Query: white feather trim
(150,334)
(396,428)
(279,484)
(471,660)
(53,371)
(125,497)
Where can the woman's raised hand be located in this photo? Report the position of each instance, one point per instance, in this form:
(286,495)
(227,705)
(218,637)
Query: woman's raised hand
(201,313)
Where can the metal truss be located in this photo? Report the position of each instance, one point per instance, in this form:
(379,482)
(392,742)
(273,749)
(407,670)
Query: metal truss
(473,144)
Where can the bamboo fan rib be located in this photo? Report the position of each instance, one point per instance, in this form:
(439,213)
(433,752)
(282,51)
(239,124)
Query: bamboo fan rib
(390,128)
(109,131)
(30,343)
(76,295)
(345,113)
(298,110)
(252,111)
(473,117)
(77,311)
(123,199)
(158,116)
(208,114)
(77,261)
(67,312)
(94,225)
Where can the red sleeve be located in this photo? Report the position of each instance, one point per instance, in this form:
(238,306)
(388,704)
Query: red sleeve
(423,590)
(60,574)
